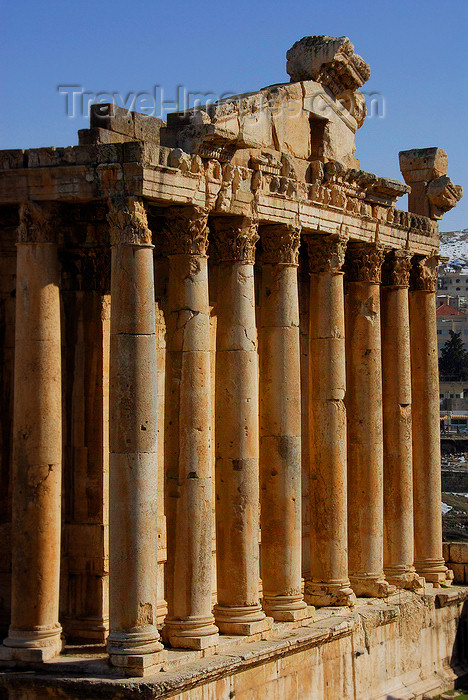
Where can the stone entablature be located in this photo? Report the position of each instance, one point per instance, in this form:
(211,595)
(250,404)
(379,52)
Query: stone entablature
(247,323)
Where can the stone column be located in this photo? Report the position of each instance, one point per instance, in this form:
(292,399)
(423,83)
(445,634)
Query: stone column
(427,488)
(133,642)
(280,426)
(190,622)
(34,633)
(396,383)
(329,583)
(364,414)
(238,610)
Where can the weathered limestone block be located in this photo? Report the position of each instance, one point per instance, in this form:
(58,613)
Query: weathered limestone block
(397,433)
(329,582)
(188,457)
(432,192)
(133,642)
(428,559)
(34,632)
(280,426)
(328,60)
(364,412)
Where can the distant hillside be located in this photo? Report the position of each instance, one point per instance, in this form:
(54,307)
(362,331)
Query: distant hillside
(454,245)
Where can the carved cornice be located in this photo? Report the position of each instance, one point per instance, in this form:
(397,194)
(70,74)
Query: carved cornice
(364,262)
(234,239)
(396,269)
(128,221)
(185,231)
(280,244)
(37,223)
(424,273)
(326,253)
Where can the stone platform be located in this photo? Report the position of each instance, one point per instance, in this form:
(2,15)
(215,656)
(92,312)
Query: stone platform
(402,648)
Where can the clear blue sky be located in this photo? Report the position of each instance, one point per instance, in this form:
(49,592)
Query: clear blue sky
(416,50)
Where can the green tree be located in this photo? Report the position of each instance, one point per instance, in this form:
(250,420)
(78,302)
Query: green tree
(453,362)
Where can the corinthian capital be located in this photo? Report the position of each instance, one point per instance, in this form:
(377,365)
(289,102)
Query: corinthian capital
(326,253)
(234,239)
(424,274)
(396,269)
(37,223)
(280,244)
(364,262)
(185,231)
(127,221)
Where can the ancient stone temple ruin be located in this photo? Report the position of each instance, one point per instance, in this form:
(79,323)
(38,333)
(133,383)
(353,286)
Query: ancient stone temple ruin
(220,415)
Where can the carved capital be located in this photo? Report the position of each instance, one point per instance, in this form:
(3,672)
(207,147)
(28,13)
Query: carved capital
(443,195)
(280,244)
(185,231)
(37,223)
(424,273)
(396,269)
(364,262)
(326,253)
(127,221)
(234,239)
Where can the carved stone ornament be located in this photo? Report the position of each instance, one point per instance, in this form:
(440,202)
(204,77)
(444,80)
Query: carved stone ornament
(326,253)
(185,231)
(396,269)
(424,274)
(234,239)
(37,223)
(128,221)
(443,195)
(280,244)
(364,262)
(328,60)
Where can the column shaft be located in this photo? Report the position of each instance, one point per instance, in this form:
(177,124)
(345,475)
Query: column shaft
(280,427)
(34,633)
(396,383)
(329,583)
(133,640)
(190,622)
(364,414)
(427,489)
(237,438)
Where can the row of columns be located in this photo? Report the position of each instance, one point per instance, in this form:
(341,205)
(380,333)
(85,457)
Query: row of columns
(368,452)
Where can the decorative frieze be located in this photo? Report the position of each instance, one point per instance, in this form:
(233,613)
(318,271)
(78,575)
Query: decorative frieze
(128,221)
(280,244)
(326,253)
(423,275)
(396,269)
(185,231)
(235,238)
(37,223)
(364,262)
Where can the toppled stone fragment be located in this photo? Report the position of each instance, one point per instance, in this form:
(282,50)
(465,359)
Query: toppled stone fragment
(328,60)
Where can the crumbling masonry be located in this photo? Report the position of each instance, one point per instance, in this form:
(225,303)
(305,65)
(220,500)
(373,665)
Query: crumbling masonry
(207,326)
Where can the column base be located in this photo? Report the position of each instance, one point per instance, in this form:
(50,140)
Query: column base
(32,646)
(136,653)
(323,594)
(434,571)
(138,665)
(190,633)
(243,620)
(407,579)
(371,587)
(283,608)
